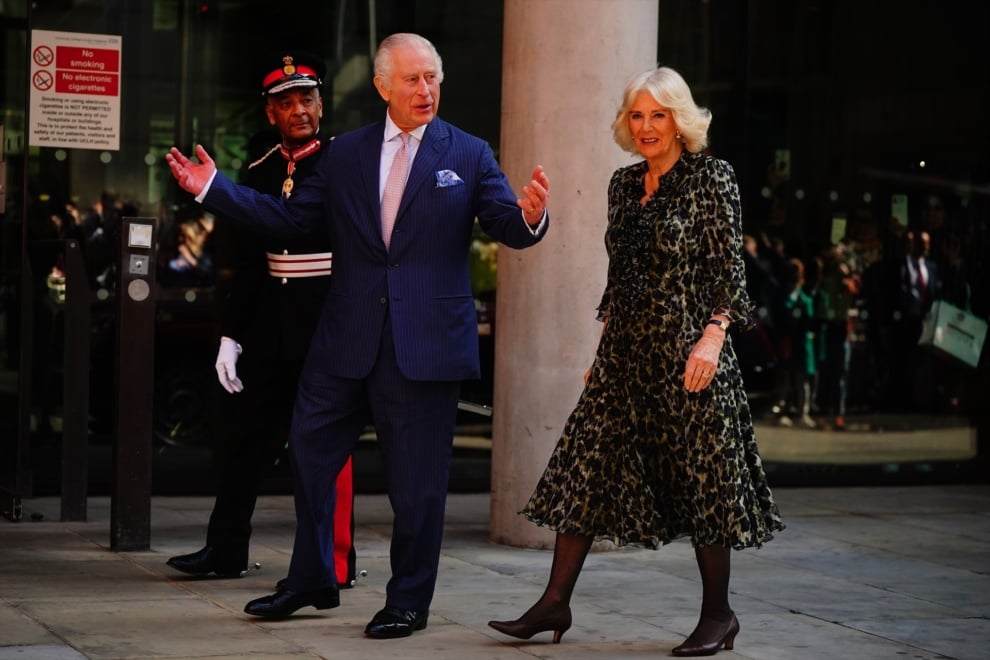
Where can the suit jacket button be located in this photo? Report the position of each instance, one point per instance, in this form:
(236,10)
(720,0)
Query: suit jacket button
(382,300)
(285,280)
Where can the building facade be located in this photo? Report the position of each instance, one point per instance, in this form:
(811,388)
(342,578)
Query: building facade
(849,124)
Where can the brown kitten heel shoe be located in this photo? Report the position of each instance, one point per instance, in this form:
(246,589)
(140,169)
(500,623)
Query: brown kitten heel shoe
(531,623)
(709,637)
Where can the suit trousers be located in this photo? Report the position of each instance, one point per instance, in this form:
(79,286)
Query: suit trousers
(414,423)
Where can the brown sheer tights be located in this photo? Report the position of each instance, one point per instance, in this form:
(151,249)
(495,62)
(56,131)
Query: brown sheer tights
(553,610)
(716,627)
(717,624)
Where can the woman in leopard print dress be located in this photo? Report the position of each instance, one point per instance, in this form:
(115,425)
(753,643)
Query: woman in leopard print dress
(661,443)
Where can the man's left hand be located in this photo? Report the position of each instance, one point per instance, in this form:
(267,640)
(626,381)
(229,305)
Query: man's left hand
(535,196)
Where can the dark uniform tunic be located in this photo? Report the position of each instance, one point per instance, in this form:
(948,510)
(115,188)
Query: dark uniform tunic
(273,319)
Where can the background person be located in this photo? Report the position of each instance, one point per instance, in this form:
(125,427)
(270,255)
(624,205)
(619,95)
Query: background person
(270,311)
(191,260)
(801,358)
(838,291)
(661,444)
(915,288)
(399,328)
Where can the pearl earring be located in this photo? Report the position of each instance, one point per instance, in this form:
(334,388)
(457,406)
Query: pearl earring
(678,136)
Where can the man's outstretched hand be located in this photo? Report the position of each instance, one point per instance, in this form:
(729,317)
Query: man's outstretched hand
(192,177)
(535,196)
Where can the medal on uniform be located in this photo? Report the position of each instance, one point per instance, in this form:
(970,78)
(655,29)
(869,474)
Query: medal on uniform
(289,183)
(287,187)
(292,156)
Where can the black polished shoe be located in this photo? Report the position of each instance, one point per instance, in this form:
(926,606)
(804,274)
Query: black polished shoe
(207,562)
(284,602)
(392,622)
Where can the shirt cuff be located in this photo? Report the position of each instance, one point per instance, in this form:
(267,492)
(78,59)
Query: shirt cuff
(538,228)
(202,195)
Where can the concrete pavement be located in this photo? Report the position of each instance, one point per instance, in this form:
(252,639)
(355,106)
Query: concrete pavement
(859,573)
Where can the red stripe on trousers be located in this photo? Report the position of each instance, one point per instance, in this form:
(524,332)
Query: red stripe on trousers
(342,516)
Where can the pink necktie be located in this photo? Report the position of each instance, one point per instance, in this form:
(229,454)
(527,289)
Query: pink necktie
(393,188)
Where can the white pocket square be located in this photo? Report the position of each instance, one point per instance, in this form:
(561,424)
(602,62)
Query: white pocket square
(447,178)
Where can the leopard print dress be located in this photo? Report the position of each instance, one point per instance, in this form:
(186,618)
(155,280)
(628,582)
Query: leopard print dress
(641,460)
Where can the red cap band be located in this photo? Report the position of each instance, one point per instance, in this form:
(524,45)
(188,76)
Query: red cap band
(278,74)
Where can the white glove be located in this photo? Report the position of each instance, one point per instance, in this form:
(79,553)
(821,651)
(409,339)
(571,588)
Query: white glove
(227,365)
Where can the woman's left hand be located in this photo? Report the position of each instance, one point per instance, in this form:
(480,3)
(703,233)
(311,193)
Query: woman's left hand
(703,361)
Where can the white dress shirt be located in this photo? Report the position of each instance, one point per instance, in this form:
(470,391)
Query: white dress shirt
(390,146)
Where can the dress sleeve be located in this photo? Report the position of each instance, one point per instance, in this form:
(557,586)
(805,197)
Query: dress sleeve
(723,240)
(605,306)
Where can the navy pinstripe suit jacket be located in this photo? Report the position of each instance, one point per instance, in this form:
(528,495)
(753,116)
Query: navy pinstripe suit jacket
(422,283)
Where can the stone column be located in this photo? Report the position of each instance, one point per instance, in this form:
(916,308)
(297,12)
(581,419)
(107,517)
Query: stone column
(565,65)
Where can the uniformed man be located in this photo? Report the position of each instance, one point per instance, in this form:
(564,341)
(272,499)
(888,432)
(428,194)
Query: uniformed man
(267,318)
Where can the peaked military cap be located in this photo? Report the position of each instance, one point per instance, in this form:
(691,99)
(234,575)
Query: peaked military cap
(292,69)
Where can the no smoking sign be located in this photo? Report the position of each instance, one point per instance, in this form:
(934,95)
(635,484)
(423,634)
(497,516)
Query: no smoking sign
(43,56)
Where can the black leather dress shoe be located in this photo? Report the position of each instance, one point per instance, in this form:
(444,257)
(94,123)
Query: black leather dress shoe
(393,622)
(284,602)
(207,562)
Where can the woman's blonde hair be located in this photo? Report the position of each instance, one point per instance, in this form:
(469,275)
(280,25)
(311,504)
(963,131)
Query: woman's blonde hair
(669,89)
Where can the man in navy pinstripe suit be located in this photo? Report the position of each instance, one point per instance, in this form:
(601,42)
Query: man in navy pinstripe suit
(399,328)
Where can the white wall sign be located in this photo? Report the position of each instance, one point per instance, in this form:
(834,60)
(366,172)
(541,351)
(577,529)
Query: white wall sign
(75,90)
